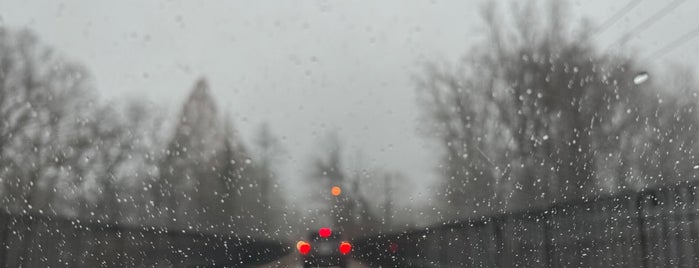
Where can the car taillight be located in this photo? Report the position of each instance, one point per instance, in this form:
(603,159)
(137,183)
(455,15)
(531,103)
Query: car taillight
(303,247)
(393,247)
(345,248)
(324,232)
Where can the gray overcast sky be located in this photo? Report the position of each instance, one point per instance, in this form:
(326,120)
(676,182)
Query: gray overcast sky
(305,67)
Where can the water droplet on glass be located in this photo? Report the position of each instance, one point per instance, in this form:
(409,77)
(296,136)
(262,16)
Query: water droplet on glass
(696,166)
(640,78)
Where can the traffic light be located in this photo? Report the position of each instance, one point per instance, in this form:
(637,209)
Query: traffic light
(335,191)
(345,248)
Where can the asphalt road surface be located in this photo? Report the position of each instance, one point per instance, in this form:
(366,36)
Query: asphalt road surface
(294,260)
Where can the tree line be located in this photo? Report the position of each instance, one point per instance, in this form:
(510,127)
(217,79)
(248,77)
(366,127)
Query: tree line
(65,153)
(538,114)
(534,114)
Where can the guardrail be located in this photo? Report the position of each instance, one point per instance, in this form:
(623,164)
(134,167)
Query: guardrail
(652,228)
(55,241)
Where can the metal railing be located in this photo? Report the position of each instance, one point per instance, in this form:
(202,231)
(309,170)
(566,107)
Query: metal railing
(55,241)
(653,228)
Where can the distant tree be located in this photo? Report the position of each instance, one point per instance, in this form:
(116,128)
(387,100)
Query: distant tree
(268,146)
(143,123)
(536,115)
(121,152)
(269,155)
(327,171)
(187,172)
(43,100)
(231,174)
(208,180)
(351,212)
(240,176)
(661,145)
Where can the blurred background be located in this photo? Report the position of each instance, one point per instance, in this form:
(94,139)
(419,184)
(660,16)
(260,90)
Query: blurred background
(187,133)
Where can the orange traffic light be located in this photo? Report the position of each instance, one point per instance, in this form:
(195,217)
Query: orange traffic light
(345,248)
(303,247)
(335,191)
(324,232)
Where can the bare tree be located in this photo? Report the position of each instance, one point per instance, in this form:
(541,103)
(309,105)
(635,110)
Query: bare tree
(538,115)
(269,156)
(351,212)
(42,100)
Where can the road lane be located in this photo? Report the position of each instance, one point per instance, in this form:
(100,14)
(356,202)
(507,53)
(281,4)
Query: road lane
(294,260)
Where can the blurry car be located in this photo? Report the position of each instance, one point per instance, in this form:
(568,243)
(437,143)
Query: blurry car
(325,251)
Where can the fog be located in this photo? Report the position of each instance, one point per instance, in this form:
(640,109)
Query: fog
(305,68)
(192,120)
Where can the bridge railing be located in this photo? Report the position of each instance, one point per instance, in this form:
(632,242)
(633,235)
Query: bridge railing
(653,228)
(55,241)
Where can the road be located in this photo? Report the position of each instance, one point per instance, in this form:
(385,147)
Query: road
(294,260)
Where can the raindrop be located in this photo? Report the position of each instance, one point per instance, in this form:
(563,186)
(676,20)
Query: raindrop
(640,78)
(696,166)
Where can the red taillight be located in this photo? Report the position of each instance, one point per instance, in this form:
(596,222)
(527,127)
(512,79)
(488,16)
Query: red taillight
(303,247)
(393,247)
(345,248)
(324,232)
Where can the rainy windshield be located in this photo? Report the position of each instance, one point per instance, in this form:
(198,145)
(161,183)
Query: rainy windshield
(347,133)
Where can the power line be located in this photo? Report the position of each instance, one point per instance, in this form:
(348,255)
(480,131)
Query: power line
(674,44)
(617,16)
(648,22)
